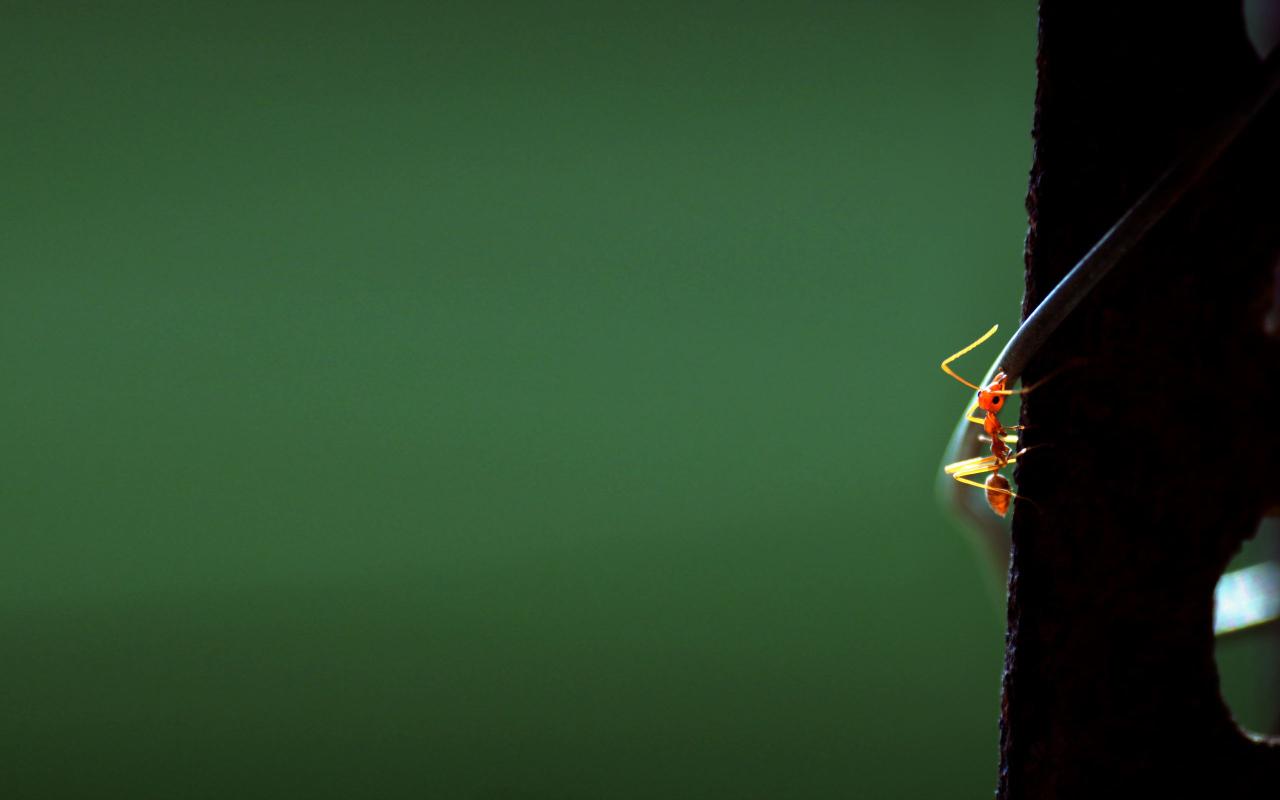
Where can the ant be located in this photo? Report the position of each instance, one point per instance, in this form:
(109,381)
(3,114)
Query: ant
(990,400)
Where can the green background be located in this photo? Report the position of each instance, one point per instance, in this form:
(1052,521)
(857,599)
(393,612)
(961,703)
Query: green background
(499,400)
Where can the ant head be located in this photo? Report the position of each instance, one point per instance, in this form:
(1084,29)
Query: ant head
(988,399)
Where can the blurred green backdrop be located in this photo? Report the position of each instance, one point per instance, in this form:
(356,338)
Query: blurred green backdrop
(499,400)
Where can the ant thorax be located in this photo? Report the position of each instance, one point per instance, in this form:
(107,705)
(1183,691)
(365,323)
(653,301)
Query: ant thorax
(991,425)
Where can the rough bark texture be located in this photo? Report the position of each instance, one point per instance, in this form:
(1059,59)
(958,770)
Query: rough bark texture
(1154,459)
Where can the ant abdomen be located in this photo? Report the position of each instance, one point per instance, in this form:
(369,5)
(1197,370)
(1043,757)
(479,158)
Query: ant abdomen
(998,493)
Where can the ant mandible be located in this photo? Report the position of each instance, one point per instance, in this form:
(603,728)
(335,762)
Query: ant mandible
(990,400)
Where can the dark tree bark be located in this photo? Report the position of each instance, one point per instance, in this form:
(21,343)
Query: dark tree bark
(1156,457)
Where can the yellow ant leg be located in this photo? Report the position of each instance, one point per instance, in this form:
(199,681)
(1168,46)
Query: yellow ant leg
(985,487)
(976,466)
(1010,439)
(977,461)
(1042,381)
(976,420)
(960,470)
(945,364)
(980,464)
(1022,390)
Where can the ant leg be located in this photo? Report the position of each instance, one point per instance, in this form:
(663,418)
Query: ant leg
(945,364)
(1023,390)
(961,470)
(976,420)
(973,466)
(993,492)
(985,487)
(982,437)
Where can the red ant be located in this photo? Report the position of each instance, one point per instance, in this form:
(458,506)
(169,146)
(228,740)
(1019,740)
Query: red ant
(990,400)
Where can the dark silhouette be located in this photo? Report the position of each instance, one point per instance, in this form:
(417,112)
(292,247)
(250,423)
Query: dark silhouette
(1157,457)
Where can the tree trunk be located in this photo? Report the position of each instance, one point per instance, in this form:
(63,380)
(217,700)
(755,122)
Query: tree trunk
(1152,460)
